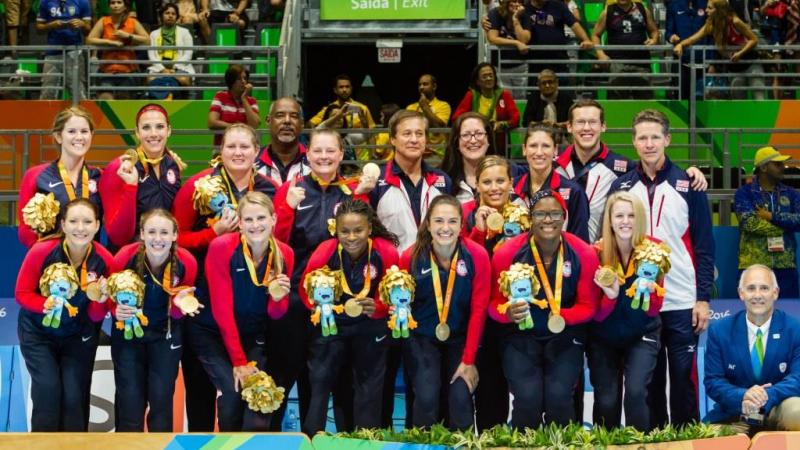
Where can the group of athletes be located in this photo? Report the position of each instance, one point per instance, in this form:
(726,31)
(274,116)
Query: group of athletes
(280,216)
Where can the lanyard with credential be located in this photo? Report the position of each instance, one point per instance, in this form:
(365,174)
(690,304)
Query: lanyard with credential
(555,323)
(62,171)
(443,306)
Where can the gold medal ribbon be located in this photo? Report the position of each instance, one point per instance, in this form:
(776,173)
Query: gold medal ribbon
(553,299)
(341,182)
(443,308)
(145,160)
(62,171)
(251,267)
(84,273)
(231,192)
(367,278)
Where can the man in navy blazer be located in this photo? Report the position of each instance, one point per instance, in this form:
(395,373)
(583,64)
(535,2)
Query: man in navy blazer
(753,358)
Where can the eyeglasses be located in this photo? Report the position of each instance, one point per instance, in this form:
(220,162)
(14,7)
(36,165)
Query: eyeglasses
(591,123)
(553,215)
(478,135)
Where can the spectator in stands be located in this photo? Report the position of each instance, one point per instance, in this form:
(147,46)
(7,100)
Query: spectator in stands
(773,13)
(235,105)
(682,220)
(729,30)
(627,23)
(175,62)
(271,11)
(383,148)
(116,30)
(547,104)
(685,18)
(65,25)
(503,23)
(188,17)
(16,18)
(751,359)
(769,215)
(344,112)
(545,26)
(223,11)
(492,101)
(285,157)
(436,111)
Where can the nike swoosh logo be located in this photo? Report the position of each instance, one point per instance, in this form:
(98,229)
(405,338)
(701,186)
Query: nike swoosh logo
(240,269)
(52,185)
(175,347)
(426,271)
(576,342)
(647,339)
(378,339)
(300,208)
(142,180)
(86,338)
(260,342)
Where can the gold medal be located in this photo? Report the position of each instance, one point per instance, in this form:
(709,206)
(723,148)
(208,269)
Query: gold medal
(442,332)
(556,324)
(495,222)
(94,292)
(276,291)
(353,308)
(606,276)
(189,304)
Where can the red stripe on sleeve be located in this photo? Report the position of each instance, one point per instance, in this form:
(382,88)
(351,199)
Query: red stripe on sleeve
(284,213)
(220,285)
(97,311)
(119,210)
(27,289)
(481,287)
(276,310)
(189,276)
(588,296)
(389,257)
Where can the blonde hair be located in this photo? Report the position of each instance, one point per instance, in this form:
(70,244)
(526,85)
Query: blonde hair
(261,199)
(609,255)
(65,114)
(243,127)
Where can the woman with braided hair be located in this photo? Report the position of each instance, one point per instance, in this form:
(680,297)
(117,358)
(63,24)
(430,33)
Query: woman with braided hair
(362,250)
(145,368)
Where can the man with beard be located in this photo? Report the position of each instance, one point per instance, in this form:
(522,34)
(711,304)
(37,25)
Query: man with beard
(436,111)
(285,157)
(769,215)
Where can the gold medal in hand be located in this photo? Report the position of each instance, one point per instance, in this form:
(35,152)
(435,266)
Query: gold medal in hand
(353,308)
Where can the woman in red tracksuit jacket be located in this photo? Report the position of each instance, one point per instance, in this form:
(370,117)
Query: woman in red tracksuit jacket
(450,301)
(68,177)
(543,364)
(60,359)
(623,340)
(305,205)
(244,273)
(145,368)
(363,249)
(149,181)
(195,232)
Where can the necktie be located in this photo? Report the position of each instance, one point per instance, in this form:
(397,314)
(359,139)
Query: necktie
(757,354)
